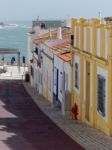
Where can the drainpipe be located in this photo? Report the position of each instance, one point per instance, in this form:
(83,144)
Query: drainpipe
(50,34)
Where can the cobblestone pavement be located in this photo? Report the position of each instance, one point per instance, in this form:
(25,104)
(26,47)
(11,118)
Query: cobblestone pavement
(89,138)
(23,126)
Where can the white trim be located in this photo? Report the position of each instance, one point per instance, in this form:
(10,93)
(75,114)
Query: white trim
(91,39)
(79,37)
(91,85)
(85,37)
(75,36)
(84,80)
(106,43)
(98,43)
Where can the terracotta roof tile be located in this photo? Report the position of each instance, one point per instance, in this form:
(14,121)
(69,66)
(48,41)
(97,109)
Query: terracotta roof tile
(65,56)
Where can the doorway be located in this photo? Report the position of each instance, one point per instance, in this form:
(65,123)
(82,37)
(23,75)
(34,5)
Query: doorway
(57,74)
(87,90)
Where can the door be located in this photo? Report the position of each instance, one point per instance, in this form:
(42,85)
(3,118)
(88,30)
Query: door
(57,78)
(87,90)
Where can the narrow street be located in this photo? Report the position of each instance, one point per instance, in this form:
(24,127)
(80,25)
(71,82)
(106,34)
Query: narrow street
(22,124)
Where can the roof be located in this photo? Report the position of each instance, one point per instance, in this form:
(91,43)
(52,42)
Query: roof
(57,42)
(62,44)
(65,56)
(40,40)
(45,35)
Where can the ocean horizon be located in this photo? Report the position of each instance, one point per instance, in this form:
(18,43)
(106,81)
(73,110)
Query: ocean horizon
(14,35)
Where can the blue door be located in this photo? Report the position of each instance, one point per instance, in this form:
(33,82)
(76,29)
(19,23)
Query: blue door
(57,74)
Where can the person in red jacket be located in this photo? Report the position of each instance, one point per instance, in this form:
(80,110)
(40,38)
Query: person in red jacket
(74,111)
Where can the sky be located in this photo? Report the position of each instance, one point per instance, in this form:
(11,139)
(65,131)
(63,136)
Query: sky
(53,9)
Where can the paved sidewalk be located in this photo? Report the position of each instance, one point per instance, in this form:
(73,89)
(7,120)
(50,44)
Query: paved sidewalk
(89,138)
(13,72)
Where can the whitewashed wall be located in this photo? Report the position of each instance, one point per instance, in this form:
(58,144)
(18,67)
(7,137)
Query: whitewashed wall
(62,67)
(58,64)
(47,75)
(39,79)
(35,74)
(67,70)
(30,47)
(55,67)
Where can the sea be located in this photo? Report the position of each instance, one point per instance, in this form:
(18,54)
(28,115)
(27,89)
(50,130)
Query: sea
(14,35)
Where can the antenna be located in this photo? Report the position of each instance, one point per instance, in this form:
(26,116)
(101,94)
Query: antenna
(37,19)
(100,16)
(50,34)
(59,33)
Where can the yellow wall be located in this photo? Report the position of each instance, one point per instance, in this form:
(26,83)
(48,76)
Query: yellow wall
(98,53)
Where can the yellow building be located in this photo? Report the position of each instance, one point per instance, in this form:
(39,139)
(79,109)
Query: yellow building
(92,72)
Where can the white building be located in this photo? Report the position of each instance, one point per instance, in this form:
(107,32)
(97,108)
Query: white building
(62,81)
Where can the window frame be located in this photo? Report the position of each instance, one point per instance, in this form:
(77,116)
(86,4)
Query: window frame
(103,96)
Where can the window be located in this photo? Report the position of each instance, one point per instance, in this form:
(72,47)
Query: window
(101,83)
(77,75)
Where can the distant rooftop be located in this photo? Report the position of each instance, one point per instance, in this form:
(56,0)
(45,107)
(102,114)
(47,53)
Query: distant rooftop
(48,23)
(108,18)
(8,50)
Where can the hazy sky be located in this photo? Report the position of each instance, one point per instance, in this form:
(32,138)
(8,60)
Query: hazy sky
(53,9)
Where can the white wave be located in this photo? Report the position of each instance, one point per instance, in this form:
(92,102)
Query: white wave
(25,26)
(13,25)
(1,27)
(6,26)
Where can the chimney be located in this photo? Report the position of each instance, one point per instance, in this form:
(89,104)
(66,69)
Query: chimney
(100,16)
(59,33)
(50,34)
